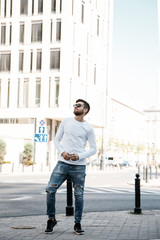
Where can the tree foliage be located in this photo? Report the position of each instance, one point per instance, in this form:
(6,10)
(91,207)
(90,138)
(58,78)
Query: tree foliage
(2,150)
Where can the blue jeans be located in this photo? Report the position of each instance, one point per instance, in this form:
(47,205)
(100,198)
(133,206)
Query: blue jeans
(60,173)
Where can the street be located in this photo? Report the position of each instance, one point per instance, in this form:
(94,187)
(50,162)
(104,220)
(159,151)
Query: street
(24,195)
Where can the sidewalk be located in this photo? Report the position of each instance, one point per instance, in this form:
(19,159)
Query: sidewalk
(97,225)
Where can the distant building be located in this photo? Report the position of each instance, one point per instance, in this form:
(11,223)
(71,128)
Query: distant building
(51,53)
(127,129)
(152,118)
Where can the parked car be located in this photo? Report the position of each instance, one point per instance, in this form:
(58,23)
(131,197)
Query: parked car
(126,164)
(111,161)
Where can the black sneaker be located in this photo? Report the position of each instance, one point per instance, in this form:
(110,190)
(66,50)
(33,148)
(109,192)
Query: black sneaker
(50,225)
(77,228)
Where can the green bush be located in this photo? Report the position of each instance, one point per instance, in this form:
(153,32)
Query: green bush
(28,154)
(2,150)
(6,162)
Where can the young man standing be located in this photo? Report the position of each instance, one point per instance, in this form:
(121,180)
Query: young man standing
(70,141)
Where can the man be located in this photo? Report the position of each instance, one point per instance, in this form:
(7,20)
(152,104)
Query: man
(70,141)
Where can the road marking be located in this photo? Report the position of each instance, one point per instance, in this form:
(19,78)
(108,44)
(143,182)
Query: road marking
(91,190)
(20,198)
(155,192)
(8,182)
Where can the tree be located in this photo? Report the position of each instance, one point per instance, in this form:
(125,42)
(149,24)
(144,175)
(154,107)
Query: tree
(2,150)
(28,154)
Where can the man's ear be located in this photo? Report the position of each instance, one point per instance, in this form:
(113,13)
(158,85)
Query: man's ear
(85,110)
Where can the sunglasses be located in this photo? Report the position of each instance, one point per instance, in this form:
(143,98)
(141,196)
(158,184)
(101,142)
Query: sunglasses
(77,105)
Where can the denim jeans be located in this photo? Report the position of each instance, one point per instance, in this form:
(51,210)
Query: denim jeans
(60,173)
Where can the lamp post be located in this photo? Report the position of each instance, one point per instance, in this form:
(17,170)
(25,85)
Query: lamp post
(102,160)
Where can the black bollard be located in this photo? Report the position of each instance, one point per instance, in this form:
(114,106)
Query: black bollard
(69,208)
(137,209)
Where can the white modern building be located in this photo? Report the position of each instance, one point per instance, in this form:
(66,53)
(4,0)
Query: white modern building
(51,53)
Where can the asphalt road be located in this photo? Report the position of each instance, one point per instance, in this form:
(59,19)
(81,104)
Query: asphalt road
(25,195)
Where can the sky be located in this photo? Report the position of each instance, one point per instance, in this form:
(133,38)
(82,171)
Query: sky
(135,52)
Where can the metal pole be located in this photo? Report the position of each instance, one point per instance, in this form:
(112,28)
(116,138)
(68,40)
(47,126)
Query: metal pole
(150,172)
(156,167)
(137,209)
(23,167)
(69,208)
(146,174)
(101,160)
(101,163)
(13,167)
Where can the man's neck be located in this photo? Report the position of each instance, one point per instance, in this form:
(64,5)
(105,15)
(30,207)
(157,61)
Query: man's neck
(79,118)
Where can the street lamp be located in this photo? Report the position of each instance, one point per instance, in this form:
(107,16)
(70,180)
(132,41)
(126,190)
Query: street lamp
(101,160)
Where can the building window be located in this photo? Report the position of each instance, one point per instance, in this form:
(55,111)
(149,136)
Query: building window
(24,7)
(3,33)
(38,92)
(21,57)
(25,92)
(58,30)
(60,5)
(39,60)
(53,5)
(8,93)
(5,62)
(57,124)
(11,8)
(72,7)
(17,120)
(10,33)
(32,7)
(79,65)
(36,32)
(40,6)
(51,32)
(49,93)
(5,8)
(55,59)
(82,13)
(18,93)
(31,61)
(57,91)
(21,33)
(98,26)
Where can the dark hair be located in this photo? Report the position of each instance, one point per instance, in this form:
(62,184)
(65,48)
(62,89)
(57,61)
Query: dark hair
(86,104)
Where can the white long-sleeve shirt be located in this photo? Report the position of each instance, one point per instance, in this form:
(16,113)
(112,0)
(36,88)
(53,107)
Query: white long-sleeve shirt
(72,137)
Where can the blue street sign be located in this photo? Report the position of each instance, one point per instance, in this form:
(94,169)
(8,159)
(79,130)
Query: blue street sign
(41,137)
(41,129)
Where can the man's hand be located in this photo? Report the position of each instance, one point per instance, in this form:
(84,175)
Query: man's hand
(66,155)
(74,157)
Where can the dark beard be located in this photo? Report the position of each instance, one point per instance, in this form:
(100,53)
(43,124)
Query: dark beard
(78,113)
